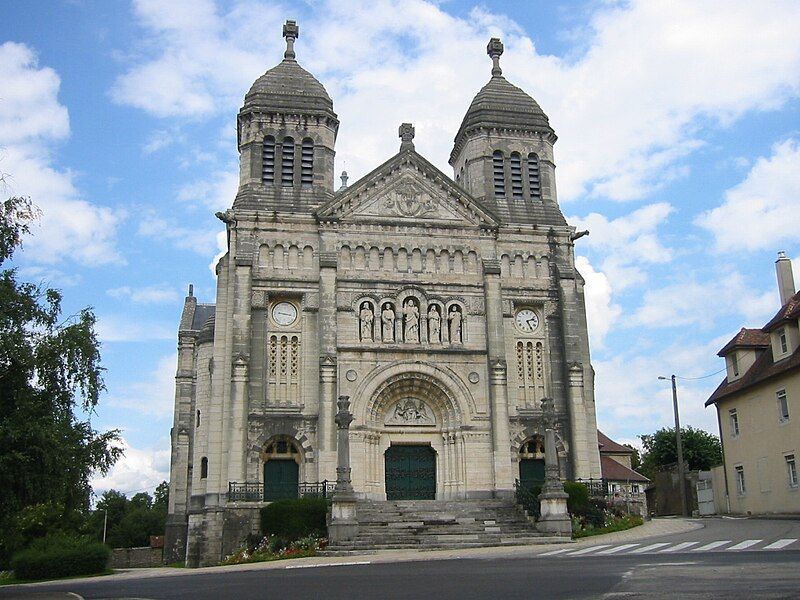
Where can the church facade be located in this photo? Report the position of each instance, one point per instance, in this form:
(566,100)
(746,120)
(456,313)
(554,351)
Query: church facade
(445,308)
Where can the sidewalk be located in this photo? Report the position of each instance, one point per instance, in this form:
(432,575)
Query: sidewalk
(653,528)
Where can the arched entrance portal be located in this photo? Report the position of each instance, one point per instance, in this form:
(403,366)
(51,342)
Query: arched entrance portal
(281,469)
(410,472)
(531,462)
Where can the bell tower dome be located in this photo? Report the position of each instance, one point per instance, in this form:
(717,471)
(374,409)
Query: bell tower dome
(503,151)
(286,135)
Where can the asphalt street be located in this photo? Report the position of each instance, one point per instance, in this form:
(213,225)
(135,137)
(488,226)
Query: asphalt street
(726,558)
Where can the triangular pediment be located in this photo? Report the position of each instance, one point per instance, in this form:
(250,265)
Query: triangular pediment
(407,189)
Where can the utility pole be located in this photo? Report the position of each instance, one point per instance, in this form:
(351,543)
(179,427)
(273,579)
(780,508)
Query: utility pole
(678,442)
(105,523)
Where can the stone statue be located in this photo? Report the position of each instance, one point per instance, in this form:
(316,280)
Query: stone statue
(387,321)
(411,333)
(434,325)
(455,325)
(366,318)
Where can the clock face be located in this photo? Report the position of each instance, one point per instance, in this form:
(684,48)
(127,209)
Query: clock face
(526,320)
(284,313)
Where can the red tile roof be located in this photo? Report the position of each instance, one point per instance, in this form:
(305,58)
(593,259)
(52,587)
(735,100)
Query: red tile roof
(788,312)
(608,445)
(764,368)
(746,338)
(614,471)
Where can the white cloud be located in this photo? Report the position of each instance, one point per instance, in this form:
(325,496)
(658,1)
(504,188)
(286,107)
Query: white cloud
(152,294)
(222,250)
(201,241)
(118,328)
(623,131)
(701,303)
(761,211)
(152,395)
(601,312)
(216,193)
(138,470)
(32,122)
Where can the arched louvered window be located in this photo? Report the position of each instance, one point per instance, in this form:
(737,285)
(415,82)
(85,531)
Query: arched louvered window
(268,160)
(516,174)
(534,182)
(498,169)
(307,162)
(287,162)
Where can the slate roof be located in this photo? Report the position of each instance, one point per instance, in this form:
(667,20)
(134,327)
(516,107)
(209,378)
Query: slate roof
(288,87)
(763,369)
(788,312)
(609,445)
(746,338)
(201,315)
(614,471)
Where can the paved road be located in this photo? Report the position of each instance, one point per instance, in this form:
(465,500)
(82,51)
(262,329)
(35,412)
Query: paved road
(768,568)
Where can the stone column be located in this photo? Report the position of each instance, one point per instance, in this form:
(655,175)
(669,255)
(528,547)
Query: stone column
(240,401)
(344,524)
(554,517)
(578,425)
(326,323)
(498,394)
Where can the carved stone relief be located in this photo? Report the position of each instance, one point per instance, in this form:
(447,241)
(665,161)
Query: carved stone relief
(410,412)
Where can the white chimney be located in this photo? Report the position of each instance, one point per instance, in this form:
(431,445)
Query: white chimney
(783,269)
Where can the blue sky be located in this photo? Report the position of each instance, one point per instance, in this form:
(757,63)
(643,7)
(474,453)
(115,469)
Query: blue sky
(679,149)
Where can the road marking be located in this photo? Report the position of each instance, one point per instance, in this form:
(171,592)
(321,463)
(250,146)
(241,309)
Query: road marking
(681,546)
(587,550)
(618,549)
(780,544)
(649,548)
(554,552)
(341,564)
(743,545)
(711,546)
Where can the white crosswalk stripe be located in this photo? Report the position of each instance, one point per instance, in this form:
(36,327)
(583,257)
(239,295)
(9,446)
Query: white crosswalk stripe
(711,546)
(782,543)
(554,552)
(649,548)
(678,547)
(743,545)
(587,550)
(618,549)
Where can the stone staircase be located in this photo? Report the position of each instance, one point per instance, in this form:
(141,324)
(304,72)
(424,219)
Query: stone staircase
(432,524)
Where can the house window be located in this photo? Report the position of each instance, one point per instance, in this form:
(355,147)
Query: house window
(734,416)
(782,341)
(287,162)
(203,468)
(783,406)
(498,169)
(791,470)
(735,364)
(634,488)
(740,488)
(533,176)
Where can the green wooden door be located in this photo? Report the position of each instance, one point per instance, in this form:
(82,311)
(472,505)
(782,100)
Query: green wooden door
(531,472)
(410,473)
(280,479)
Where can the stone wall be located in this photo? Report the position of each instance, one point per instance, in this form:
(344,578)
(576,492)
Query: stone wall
(136,558)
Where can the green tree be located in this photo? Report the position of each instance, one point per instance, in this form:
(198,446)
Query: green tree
(701,450)
(49,370)
(636,459)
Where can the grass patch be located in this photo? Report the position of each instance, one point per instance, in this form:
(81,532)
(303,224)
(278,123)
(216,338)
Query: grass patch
(177,565)
(619,524)
(7,578)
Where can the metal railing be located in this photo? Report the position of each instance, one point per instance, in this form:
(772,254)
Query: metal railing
(598,488)
(527,498)
(254,492)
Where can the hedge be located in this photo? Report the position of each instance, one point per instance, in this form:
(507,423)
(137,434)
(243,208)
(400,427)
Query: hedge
(58,556)
(295,519)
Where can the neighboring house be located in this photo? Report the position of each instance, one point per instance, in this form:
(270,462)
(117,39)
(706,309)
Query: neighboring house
(758,409)
(615,464)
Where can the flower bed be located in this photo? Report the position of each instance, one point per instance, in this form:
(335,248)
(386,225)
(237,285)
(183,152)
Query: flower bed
(272,547)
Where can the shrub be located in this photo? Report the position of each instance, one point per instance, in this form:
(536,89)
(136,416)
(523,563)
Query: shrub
(578,501)
(60,555)
(295,519)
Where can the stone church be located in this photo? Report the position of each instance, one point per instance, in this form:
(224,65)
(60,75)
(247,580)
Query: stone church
(445,308)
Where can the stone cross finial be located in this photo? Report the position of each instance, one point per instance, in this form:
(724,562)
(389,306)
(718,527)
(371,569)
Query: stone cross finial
(495,50)
(406,134)
(548,412)
(291,32)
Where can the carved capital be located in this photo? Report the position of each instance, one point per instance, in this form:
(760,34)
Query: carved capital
(327,260)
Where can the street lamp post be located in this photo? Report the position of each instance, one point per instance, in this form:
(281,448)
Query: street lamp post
(681,465)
